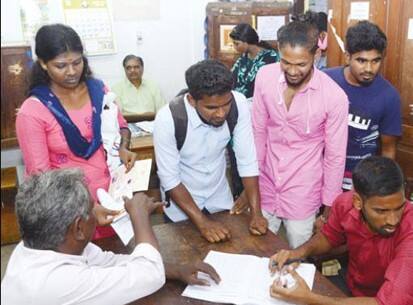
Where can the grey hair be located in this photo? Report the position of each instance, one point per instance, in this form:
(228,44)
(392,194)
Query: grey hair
(47,204)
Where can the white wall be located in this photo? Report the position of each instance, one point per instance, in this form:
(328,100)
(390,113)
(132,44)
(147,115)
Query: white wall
(169,46)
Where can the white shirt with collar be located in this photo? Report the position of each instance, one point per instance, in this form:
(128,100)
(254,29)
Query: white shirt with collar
(95,277)
(200,164)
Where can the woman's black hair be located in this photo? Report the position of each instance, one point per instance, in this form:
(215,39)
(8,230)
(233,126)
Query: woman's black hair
(246,33)
(51,41)
(313,18)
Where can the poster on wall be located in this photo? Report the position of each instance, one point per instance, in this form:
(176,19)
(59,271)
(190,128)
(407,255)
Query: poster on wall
(226,44)
(267,26)
(92,20)
(359,10)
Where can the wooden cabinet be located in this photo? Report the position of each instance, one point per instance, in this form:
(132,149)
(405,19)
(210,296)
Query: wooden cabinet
(393,18)
(15,66)
(222,17)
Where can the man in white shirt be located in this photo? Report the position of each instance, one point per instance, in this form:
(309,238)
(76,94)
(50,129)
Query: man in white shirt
(194,175)
(56,264)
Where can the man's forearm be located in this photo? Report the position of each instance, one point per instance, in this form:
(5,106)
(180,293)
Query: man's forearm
(142,228)
(317,245)
(316,299)
(181,196)
(252,193)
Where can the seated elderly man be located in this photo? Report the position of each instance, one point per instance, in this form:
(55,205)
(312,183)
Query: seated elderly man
(376,222)
(56,263)
(135,94)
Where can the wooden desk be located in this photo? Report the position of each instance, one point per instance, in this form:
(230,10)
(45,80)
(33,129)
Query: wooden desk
(181,242)
(143,146)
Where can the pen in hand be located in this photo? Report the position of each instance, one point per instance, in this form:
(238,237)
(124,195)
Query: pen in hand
(289,261)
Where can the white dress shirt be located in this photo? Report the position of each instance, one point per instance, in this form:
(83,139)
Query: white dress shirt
(96,277)
(200,164)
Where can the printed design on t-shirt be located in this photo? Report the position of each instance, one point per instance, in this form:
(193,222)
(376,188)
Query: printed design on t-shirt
(358,122)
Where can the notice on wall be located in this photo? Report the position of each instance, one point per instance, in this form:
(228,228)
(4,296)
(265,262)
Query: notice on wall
(267,26)
(91,19)
(226,44)
(410,29)
(359,10)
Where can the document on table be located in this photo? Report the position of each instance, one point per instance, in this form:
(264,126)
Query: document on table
(125,184)
(245,279)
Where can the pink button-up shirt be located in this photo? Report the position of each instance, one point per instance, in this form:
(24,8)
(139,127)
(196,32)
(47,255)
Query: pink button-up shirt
(301,151)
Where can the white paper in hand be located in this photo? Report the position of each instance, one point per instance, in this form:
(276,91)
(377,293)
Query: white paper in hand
(136,180)
(121,223)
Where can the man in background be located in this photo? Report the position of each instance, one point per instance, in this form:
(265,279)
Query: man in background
(374,122)
(135,94)
(300,128)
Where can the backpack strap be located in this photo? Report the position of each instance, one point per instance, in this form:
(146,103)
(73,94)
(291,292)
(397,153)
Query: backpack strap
(180,117)
(232,117)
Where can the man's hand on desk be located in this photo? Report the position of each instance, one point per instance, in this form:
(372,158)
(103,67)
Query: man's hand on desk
(213,231)
(240,205)
(258,224)
(128,158)
(188,273)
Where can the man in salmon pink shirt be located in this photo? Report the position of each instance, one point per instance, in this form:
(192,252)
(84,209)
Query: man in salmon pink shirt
(375,221)
(300,128)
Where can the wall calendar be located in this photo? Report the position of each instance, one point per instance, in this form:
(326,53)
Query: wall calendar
(92,20)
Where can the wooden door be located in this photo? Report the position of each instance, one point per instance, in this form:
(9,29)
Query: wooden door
(15,66)
(222,17)
(393,17)
(400,72)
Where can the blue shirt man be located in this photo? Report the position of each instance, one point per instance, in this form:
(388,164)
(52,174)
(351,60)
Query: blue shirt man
(374,111)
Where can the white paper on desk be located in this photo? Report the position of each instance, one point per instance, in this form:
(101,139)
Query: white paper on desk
(245,279)
(146,126)
(136,180)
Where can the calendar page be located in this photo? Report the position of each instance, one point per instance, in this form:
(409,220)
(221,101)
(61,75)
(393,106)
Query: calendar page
(91,19)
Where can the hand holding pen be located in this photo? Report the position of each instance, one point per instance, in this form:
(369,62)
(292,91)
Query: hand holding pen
(284,258)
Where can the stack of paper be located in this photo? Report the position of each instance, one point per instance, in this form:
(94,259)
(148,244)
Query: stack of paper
(245,279)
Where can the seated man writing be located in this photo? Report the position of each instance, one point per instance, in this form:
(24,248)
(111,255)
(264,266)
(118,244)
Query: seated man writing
(376,222)
(56,263)
(192,171)
(137,96)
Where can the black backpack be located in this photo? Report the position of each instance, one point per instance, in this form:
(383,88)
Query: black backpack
(180,117)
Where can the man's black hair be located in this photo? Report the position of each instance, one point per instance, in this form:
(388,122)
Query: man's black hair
(131,56)
(365,36)
(377,176)
(208,77)
(299,33)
